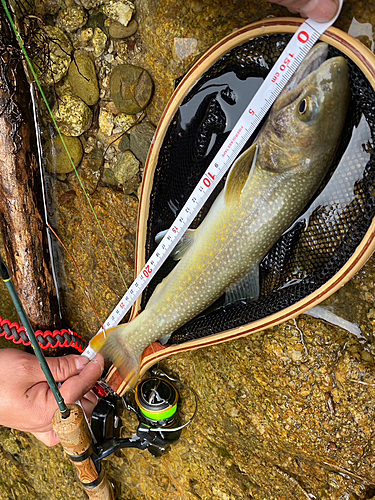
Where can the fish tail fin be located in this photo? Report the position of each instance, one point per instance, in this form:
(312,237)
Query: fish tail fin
(112,344)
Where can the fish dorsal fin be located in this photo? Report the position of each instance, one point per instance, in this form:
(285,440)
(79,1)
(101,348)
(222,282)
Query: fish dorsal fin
(239,174)
(182,246)
(247,288)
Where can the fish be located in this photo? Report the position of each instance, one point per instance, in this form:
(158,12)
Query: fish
(266,189)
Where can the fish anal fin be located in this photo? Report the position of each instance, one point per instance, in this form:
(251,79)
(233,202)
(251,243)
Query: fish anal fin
(247,288)
(182,246)
(239,174)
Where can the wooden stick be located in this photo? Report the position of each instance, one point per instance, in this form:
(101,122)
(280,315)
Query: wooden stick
(75,438)
(21,204)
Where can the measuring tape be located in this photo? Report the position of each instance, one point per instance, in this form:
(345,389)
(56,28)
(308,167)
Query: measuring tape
(292,56)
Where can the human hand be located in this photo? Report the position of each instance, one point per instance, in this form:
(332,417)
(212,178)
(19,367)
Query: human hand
(319,10)
(27,402)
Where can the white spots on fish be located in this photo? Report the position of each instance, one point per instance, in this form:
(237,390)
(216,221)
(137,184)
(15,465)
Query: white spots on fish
(324,82)
(235,235)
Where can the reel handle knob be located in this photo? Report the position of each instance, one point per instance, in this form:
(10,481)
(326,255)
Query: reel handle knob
(75,438)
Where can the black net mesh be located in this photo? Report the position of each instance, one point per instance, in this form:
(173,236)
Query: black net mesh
(320,242)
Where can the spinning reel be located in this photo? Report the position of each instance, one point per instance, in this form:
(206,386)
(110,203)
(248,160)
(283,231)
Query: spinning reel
(156,403)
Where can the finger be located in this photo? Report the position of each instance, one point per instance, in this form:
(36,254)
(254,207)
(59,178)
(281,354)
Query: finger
(64,367)
(92,397)
(75,387)
(48,438)
(24,366)
(320,11)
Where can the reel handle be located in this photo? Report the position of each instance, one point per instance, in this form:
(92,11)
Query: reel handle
(75,438)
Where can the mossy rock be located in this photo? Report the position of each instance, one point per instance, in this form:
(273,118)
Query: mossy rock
(140,140)
(54,55)
(57,159)
(118,31)
(82,77)
(72,115)
(131,88)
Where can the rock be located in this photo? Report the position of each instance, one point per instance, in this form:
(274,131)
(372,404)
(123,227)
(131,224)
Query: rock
(124,144)
(72,18)
(57,160)
(105,121)
(141,136)
(126,167)
(86,35)
(120,11)
(109,178)
(72,115)
(94,160)
(82,77)
(91,4)
(44,7)
(118,31)
(126,171)
(125,121)
(131,88)
(99,41)
(97,20)
(184,47)
(53,61)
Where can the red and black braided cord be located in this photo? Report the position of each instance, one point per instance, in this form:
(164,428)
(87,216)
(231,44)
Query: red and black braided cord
(47,339)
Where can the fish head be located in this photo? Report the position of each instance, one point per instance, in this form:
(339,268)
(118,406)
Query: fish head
(307,119)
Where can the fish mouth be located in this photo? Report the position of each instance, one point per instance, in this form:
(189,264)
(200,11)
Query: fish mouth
(313,61)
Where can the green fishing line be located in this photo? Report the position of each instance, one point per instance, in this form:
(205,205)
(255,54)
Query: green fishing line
(19,39)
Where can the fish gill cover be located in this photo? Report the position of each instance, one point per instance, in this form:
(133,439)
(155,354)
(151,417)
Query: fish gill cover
(320,241)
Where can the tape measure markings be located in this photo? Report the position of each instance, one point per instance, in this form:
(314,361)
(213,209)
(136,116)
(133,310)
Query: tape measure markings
(287,63)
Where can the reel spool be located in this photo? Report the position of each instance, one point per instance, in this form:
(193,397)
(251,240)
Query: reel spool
(157,401)
(156,404)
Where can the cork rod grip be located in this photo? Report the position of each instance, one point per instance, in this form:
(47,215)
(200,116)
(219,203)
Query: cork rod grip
(75,438)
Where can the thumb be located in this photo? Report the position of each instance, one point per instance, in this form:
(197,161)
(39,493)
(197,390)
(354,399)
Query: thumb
(65,367)
(321,11)
(77,386)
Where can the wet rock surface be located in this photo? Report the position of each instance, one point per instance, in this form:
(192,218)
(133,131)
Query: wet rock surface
(285,414)
(72,115)
(131,88)
(72,18)
(118,31)
(57,159)
(83,79)
(54,55)
(126,171)
(140,140)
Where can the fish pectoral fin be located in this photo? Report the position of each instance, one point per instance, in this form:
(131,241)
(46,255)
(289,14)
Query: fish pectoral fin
(239,174)
(247,288)
(182,246)
(160,236)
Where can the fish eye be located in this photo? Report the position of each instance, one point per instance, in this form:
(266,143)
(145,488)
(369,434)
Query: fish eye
(307,108)
(302,106)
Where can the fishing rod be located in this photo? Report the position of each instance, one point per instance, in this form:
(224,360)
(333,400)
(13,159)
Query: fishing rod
(35,344)
(69,421)
(155,403)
